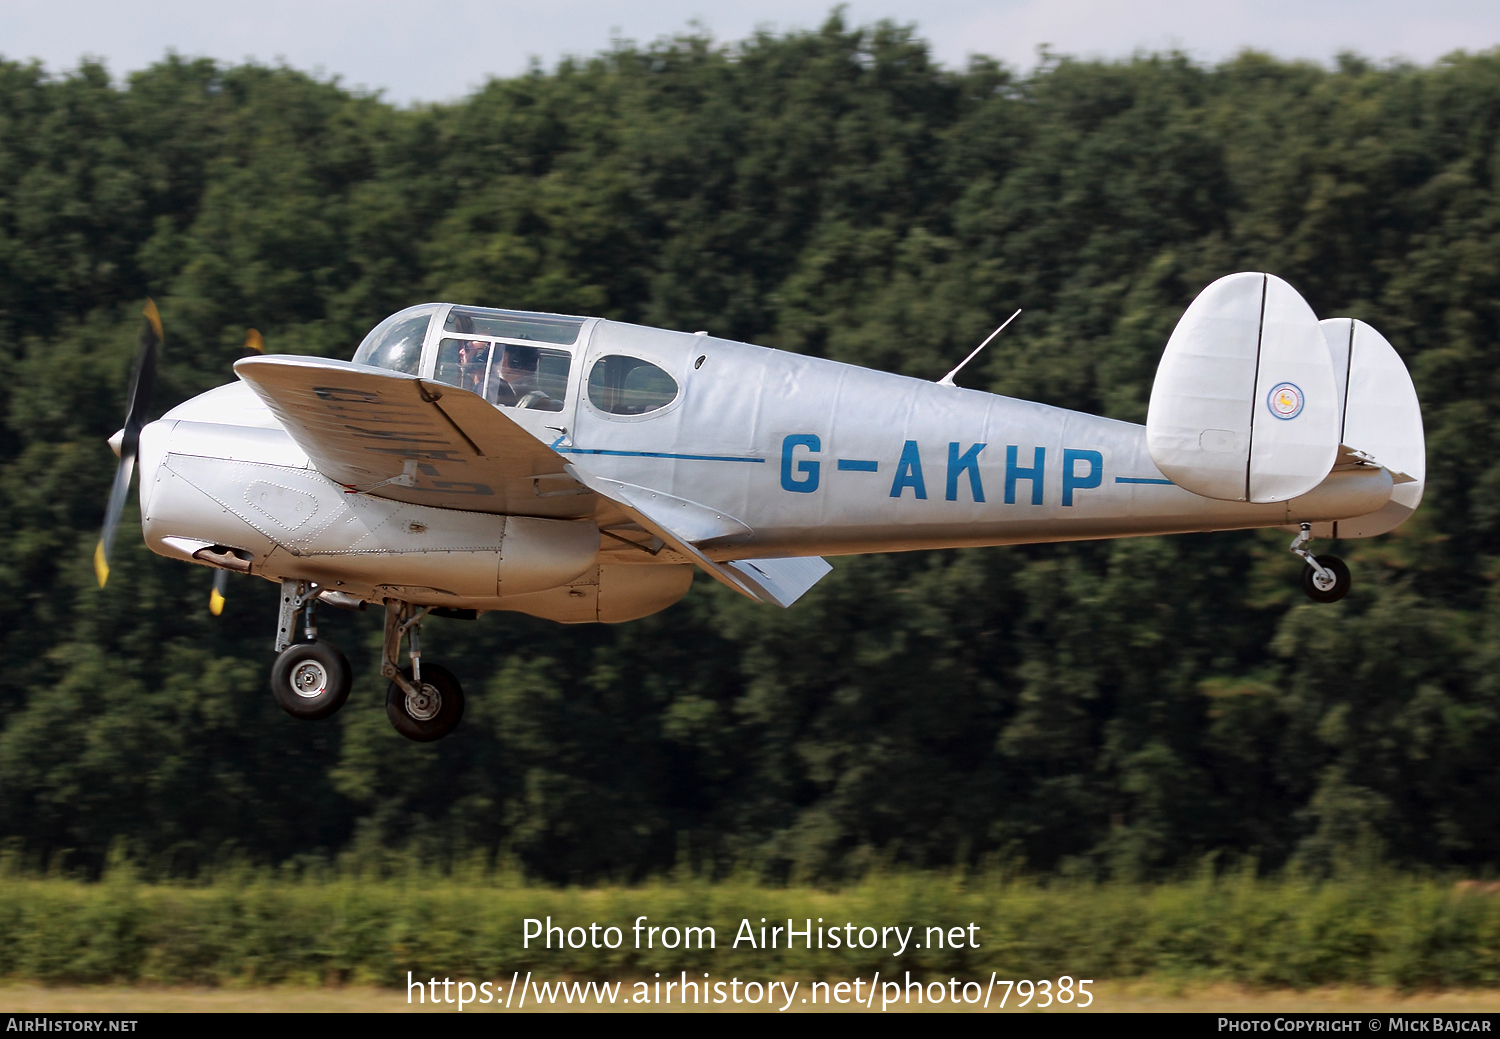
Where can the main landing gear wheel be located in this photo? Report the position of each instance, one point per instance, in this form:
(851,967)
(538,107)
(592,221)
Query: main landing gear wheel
(423,710)
(310,680)
(432,710)
(1331,585)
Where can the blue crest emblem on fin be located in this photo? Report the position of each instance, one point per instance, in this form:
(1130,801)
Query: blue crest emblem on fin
(1285,400)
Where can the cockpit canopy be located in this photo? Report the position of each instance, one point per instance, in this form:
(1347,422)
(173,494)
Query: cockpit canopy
(515,359)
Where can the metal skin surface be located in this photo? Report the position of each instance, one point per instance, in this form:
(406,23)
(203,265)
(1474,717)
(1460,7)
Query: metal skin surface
(386,485)
(831,459)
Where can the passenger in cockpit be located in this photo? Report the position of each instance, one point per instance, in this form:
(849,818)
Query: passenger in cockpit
(518,382)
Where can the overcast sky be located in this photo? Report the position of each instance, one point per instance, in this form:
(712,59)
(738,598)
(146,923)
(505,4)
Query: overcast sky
(434,50)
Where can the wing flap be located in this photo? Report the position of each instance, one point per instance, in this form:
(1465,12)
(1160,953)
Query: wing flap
(677,523)
(782,581)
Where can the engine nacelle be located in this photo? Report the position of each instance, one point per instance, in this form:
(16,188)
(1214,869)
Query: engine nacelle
(293,522)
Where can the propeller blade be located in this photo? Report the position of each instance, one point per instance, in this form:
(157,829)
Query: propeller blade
(142,382)
(117,495)
(254,341)
(216,597)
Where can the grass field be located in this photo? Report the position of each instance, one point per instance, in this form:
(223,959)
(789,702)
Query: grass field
(1135,997)
(322,939)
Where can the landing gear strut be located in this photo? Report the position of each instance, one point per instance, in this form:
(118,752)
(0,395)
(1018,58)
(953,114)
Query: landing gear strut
(423,703)
(310,679)
(1326,578)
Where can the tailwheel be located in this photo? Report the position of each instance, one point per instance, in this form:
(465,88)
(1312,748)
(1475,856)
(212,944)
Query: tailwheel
(310,680)
(1328,584)
(1326,578)
(427,709)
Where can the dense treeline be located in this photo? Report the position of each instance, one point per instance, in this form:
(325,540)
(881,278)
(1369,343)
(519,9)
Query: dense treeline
(1117,708)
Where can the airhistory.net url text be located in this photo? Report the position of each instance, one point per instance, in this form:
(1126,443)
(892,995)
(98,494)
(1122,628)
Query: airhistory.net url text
(782,995)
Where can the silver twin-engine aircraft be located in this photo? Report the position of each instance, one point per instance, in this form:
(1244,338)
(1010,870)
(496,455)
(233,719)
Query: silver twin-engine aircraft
(580,470)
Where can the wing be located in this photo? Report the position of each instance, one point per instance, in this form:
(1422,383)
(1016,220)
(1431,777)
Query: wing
(400,437)
(407,439)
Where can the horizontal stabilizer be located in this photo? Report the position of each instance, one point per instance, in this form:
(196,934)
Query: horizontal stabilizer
(1244,406)
(782,581)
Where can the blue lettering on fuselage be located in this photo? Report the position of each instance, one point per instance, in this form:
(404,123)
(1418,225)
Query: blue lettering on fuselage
(1082,470)
(966,462)
(909,472)
(1072,481)
(808,467)
(1014,471)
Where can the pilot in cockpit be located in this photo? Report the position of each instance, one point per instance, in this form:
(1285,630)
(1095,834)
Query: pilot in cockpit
(473,358)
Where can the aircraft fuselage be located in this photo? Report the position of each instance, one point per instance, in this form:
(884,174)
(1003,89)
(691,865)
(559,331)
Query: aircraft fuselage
(800,456)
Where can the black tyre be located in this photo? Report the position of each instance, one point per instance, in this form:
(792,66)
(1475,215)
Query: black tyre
(1332,593)
(310,680)
(433,714)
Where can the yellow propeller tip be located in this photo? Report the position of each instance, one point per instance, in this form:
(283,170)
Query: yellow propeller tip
(153,317)
(254,341)
(101,565)
(215,602)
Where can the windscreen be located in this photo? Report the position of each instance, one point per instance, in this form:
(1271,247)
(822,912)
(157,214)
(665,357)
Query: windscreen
(396,343)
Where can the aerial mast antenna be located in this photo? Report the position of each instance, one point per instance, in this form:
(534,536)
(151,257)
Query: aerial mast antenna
(947,380)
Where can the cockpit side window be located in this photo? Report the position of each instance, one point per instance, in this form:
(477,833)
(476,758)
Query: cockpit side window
(509,375)
(621,385)
(396,343)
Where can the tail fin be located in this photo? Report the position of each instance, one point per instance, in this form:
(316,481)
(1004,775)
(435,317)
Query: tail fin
(1380,419)
(1245,405)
